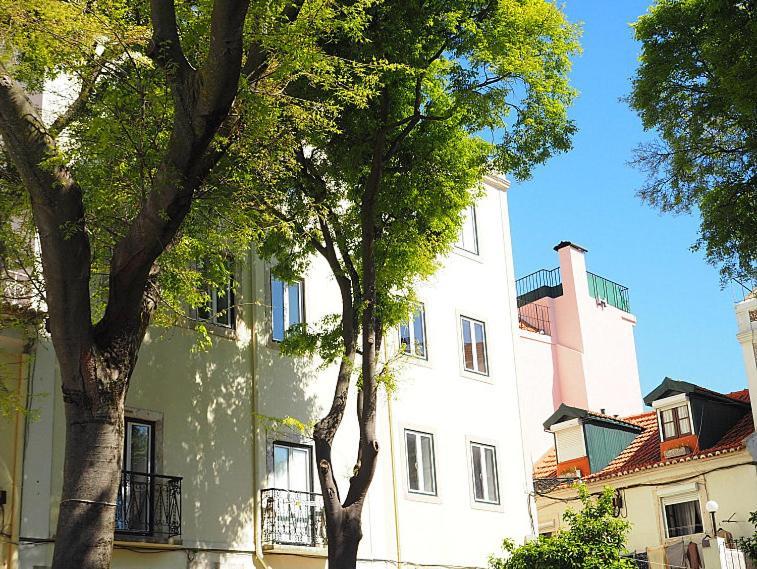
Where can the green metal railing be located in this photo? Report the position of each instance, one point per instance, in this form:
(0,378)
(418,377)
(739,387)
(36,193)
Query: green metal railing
(611,292)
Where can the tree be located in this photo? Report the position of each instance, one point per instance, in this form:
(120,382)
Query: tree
(380,197)
(696,86)
(749,544)
(125,187)
(594,539)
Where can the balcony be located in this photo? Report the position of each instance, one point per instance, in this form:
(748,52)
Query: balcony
(292,518)
(148,505)
(534,318)
(608,291)
(539,284)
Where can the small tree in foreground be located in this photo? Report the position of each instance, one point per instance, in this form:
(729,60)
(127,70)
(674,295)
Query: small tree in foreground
(749,544)
(595,539)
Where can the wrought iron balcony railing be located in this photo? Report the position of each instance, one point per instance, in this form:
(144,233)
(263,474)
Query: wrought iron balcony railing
(292,518)
(609,291)
(537,285)
(534,318)
(149,505)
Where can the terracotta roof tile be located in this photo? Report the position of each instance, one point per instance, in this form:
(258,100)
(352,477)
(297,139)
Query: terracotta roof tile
(644,451)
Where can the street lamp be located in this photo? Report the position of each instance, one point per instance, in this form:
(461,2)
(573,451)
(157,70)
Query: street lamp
(712,507)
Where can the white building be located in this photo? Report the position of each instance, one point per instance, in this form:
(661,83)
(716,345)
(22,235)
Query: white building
(214,481)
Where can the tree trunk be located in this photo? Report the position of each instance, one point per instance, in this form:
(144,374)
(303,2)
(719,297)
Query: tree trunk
(344,536)
(92,468)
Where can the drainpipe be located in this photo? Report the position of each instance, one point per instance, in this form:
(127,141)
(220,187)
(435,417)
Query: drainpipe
(258,561)
(394,482)
(393,462)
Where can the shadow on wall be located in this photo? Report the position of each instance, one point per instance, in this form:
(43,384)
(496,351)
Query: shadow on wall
(206,400)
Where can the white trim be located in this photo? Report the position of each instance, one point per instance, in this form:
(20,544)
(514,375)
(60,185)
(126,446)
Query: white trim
(418,436)
(474,352)
(484,473)
(565,425)
(672,401)
(677,489)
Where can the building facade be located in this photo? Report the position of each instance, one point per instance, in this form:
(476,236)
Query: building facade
(682,473)
(575,344)
(218,472)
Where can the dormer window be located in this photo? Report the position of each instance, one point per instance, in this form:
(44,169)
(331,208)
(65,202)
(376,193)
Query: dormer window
(676,422)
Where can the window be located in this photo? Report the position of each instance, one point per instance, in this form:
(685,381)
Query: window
(138,446)
(291,501)
(134,504)
(682,516)
(485,486)
(286,307)
(474,345)
(468,238)
(421,471)
(675,422)
(291,467)
(220,307)
(413,333)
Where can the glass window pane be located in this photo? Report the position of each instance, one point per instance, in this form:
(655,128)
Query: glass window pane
(222,307)
(491,475)
(683,519)
(281,467)
(669,430)
(467,344)
(478,476)
(139,447)
(667,415)
(480,347)
(683,411)
(428,464)
(419,334)
(295,316)
(299,470)
(204,312)
(412,461)
(683,426)
(277,309)
(405,338)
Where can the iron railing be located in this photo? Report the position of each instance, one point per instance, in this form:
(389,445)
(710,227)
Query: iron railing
(609,291)
(292,518)
(538,284)
(543,486)
(149,505)
(535,318)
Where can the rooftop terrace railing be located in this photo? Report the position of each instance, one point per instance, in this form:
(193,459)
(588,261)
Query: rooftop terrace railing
(539,284)
(611,292)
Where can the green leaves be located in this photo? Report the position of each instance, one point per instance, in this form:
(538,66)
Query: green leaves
(696,87)
(594,539)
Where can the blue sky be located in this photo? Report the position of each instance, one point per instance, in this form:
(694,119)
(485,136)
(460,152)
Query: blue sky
(686,325)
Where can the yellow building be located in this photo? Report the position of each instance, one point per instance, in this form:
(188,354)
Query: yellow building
(682,473)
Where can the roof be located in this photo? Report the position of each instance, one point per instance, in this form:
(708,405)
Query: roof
(566,412)
(671,386)
(644,451)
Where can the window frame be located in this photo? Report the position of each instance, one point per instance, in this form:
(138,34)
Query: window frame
(674,500)
(474,353)
(483,447)
(212,305)
(285,306)
(473,219)
(292,445)
(411,333)
(419,461)
(676,422)
(127,443)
